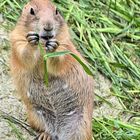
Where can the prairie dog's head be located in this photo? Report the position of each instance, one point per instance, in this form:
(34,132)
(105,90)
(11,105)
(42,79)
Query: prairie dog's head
(42,17)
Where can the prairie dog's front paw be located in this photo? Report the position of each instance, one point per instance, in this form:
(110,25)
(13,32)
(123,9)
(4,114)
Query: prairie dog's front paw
(33,38)
(51,45)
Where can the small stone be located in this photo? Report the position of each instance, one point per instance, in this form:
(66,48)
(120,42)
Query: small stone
(1,18)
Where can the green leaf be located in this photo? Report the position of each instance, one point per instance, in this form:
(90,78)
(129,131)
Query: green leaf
(57,54)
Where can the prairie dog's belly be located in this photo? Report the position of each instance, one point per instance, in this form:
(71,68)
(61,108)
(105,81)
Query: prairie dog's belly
(54,103)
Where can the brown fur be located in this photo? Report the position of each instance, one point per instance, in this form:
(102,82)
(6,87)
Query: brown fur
(28,70)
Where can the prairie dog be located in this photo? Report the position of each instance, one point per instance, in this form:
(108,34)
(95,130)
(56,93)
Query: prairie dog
(63,110)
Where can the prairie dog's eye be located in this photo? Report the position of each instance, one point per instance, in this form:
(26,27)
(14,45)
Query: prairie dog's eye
(56,12)
(32,12)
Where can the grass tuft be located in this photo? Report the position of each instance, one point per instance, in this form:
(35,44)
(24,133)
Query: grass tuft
(107,34)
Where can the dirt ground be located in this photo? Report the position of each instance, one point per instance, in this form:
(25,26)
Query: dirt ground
(10,104)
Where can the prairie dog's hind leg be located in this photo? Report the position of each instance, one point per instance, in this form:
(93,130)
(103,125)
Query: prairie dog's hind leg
(37,124)
(35,121)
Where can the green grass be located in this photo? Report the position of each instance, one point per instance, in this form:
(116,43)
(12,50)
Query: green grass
(107,33)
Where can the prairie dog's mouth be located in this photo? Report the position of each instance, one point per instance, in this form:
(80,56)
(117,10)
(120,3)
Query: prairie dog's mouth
(47,37)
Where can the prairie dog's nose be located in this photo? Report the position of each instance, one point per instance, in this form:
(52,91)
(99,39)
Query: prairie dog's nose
(48,27)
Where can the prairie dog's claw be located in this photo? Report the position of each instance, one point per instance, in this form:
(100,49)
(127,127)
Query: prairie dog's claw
(43,136)
(33,38)
(51,45)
